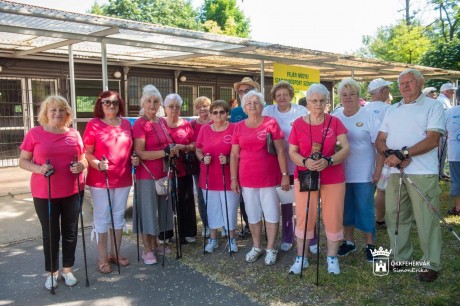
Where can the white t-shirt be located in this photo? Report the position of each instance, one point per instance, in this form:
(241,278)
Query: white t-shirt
(285,121)
(445,101)
(407,124)
(377,110)
(453,133)
(360,163)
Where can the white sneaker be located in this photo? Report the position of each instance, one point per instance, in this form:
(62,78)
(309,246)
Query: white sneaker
(313,248)
(48,282)
(270,257)
(297,267)
(224,233)
(190,239)
(205,233)
(212,244)
(161,242)
(233,245)
(285,246)
(333,265)
(69,279)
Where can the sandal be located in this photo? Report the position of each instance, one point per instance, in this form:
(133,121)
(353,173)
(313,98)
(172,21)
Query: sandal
(123,261)
(104,267)
(254,254)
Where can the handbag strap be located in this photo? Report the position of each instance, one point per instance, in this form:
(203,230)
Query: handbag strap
(147,169)
(324,133)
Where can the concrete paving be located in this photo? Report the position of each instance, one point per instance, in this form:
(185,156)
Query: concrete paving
(23,276)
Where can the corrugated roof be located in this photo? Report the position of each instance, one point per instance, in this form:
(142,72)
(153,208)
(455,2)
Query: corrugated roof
(32,32)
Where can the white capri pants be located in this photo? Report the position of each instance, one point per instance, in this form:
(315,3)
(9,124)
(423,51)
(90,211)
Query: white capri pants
(101,209)
(261,203)
(217,211)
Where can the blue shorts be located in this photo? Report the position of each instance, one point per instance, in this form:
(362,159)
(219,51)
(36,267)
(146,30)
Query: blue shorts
(359,207)
(454,170)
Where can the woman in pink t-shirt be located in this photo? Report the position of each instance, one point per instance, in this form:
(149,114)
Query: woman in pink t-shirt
(201,105)
(181,134)
(151,143)
(56,142)
(108,143)
(318,133)
(213,146)
(256,173)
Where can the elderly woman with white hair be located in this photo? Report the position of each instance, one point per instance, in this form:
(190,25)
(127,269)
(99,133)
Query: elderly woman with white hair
(256,173)
(312,145)
(151,143)
(181,134)
(360,169)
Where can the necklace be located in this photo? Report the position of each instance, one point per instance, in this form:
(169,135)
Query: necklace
(219,129)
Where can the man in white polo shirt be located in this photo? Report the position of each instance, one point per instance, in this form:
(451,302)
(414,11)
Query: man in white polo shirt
(412,128)
(447,93)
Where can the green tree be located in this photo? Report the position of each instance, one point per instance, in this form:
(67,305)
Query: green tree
(399,43)
(448,23)
(174,13)
(228,17)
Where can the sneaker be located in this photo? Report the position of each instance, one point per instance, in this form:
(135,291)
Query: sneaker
(233,245)
(149,258)
(212,244)
(270,257)
(205,233)
(190,239)
(245,233)
(254,254)
(48,282)
(285,246)
(380,225)
(224,232)
(161,242)
(69,279)
(333,265)
(298,266)
(313,248)
(346,248)
(369,256)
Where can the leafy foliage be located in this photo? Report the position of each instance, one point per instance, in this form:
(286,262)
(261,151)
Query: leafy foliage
(227,15)
(448,24)
(443,55)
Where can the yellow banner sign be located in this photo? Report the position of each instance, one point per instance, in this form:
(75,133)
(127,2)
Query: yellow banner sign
(299,77)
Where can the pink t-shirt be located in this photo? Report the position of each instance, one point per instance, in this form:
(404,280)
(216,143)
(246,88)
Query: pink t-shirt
(300,136)
(257,167)
(156,138)
(183,134)
(115,143)
(215,143)
(196,127)
(60,149)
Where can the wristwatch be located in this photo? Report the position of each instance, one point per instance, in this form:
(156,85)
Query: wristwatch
(329,160)
(284,173)
(405,151)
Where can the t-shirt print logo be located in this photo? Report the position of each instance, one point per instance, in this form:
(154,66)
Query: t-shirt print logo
(71,141)
(181,134)
(359,124)
(327,132)
(262,135)
(227,139)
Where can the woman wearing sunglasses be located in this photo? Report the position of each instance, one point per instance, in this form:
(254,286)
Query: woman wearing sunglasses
(108,142)
(213,146)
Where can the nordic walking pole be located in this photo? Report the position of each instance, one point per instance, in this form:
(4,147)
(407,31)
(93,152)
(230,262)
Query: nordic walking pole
(436,212)
(305,232)
(168,182)
(318,226)
(111,215)
(175,212)
(48,175)
(226,208)
(205,224)
(136,215)
(398,210)
(80,203)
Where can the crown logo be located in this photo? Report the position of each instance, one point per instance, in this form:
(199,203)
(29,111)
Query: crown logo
(381,252)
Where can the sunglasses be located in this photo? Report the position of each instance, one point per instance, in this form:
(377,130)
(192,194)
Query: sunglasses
(221,112)
(109,102)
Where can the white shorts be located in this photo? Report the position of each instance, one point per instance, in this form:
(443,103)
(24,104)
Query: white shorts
(101,209)
(261,203)
(217,211)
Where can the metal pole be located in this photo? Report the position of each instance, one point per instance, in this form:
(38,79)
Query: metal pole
(73,102)
(105,81)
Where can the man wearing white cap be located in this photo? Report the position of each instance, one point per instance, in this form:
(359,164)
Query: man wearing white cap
(430,92)
(445,97)
(380,92)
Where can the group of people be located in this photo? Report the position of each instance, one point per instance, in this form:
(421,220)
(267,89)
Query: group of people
(240,163)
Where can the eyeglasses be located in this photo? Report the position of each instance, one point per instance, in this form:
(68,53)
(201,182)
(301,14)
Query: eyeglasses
(243,92)
(317,101)
(110,102)
(202,106)
(173,106)
(221,112)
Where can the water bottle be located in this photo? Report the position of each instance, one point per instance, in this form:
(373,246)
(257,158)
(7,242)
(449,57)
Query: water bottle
(382,183)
